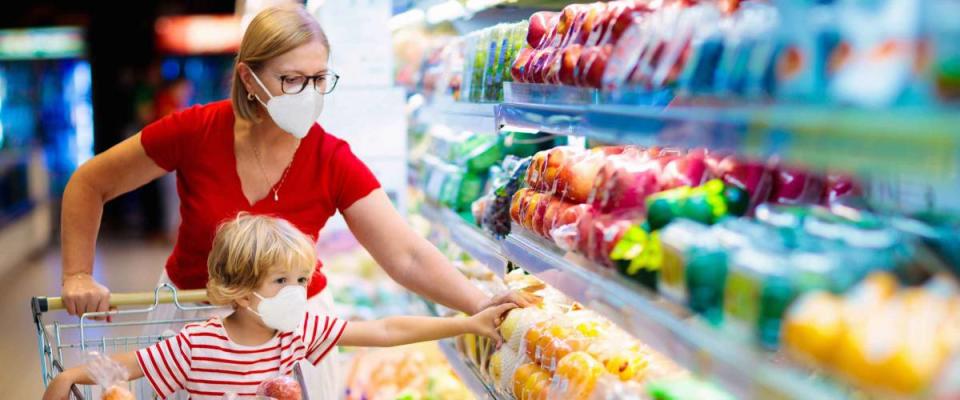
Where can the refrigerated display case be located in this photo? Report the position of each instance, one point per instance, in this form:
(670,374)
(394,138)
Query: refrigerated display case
(733,191)
(46,129)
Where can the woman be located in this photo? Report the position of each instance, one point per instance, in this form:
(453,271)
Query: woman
(259,152)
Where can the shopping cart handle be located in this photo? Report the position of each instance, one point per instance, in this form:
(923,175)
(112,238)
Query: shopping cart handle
(44,304)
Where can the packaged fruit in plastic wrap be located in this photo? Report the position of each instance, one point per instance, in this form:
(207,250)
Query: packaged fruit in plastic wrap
(758,292)
(629,33)
(761,284)
(812,51)
(706,49)
(842,189)
(546,167)
(889,340)
(678,241)
(708,204)
(599,234)
(417,372)
(577,375)
(796,186)
(750,29)
(479,152)
(681,31)
(109,375)
(624,181)
(541,28)
(690,169)
(638,256)
(888,51)
(868,242)
(565,227)
(753,177)
(280,388)
(496,216)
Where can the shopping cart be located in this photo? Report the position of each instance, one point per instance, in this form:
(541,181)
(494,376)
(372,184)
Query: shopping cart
(65,344)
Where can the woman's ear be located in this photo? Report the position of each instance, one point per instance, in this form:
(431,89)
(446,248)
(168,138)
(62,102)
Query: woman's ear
(246,76)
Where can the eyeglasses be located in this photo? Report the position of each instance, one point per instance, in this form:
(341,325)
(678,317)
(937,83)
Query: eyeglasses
(323,83)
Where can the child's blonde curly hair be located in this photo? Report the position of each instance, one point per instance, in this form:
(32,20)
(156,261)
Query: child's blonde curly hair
(247,248)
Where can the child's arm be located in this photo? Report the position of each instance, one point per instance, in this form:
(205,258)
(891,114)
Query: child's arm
(59,387)
(395,331)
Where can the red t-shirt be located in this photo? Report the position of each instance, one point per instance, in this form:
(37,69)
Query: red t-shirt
(197,143)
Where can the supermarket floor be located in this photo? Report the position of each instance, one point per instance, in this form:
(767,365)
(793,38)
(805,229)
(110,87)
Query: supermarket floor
(122,265)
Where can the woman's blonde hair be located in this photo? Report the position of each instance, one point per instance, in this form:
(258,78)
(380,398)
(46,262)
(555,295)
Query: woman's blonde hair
(274,31)
(249,247)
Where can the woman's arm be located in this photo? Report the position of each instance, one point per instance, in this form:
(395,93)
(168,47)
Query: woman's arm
(59,387)
(396,331)
(411,260)
(120,169)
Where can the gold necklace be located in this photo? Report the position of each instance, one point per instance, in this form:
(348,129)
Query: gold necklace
(275,189)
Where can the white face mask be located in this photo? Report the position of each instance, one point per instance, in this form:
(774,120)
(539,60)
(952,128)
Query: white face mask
(285,311)
(294,113)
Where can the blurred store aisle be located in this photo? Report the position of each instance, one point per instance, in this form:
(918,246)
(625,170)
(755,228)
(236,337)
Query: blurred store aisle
(123,266)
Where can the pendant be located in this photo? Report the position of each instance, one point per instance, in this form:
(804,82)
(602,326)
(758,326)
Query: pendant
(275,197)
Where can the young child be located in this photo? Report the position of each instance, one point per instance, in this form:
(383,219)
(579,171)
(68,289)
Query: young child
(261,267)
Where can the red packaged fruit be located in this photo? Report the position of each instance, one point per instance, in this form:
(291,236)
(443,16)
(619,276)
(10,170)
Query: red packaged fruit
(796,186)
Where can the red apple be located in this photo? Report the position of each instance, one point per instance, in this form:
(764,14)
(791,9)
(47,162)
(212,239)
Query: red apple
(554,210)
(577,177)
(590,27)
(650,58)
(568,67)
(566,227)
(753,177)
(541,24)
(598,31)
(587,55)
(540,65)
(614,150)
(551,73)
(605,232)
(632,14)
(595,70)
(796,186)
(539,216)
(689,170)
(624,183)
(565,25)
(518,69)
(840,187)
(281,388)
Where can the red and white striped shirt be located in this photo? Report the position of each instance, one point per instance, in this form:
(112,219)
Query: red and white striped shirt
(202,361)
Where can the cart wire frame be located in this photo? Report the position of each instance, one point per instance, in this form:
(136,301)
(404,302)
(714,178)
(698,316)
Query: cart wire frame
(52,341)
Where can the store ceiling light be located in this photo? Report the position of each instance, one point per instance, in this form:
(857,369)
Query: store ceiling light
(445,12)
(409,18)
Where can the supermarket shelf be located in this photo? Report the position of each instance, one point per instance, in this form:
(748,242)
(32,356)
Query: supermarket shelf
(668,328)
(558,119)
(921,143)
(469,238)
(470,376)
(478,117)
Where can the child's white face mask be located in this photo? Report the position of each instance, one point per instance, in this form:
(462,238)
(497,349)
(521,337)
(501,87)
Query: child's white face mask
(285,311)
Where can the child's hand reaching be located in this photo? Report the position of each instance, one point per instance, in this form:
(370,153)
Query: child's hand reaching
(486,322)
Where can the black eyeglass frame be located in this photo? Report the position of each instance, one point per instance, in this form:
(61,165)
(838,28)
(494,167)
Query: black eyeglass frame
(315,78)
